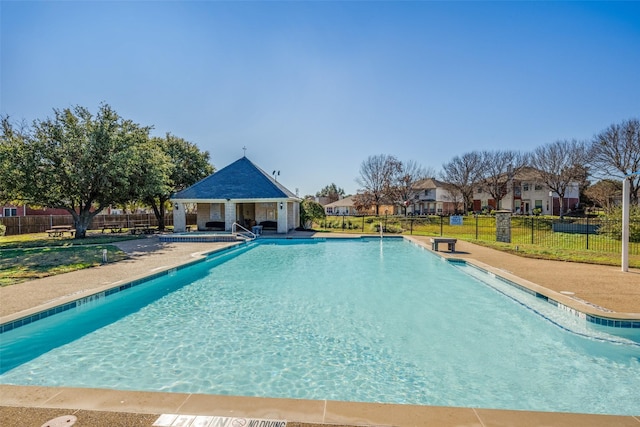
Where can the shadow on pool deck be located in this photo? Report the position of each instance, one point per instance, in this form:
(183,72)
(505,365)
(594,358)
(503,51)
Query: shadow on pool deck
(602,286)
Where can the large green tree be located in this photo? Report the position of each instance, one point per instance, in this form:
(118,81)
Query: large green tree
(78,161)
(310,211)
(186,165)
(332,192)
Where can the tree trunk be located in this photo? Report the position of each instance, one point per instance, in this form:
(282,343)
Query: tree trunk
(159,212)
(82,221)
(561,205)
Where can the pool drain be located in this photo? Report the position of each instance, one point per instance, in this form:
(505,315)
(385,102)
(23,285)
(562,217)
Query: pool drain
(65,420)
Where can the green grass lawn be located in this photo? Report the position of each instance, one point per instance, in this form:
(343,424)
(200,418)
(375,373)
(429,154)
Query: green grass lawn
(547,244)
(32,256)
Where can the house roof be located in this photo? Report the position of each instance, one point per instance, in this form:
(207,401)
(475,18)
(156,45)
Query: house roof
(345,202)
(240,180)
(428,184)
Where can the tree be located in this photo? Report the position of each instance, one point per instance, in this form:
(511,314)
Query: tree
(407,175)
(604,193)
(12,158)
(377,174)
(310,211)
(76,161)
(499,168)
(615,153)
(364,201)
(185,164)
(561,166)
(331,192)
(461,175)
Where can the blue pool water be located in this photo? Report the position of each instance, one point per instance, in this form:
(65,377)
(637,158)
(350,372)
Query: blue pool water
(356,320)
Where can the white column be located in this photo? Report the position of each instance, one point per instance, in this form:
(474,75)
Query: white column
(229,215)
(282,216)
(179,218)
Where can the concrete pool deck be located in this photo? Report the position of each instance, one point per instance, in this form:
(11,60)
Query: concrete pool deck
(592,287)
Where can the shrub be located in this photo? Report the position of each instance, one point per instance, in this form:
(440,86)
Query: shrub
(613,226)
(3,229)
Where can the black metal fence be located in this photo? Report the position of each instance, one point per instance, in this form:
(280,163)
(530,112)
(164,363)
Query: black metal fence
(592,234)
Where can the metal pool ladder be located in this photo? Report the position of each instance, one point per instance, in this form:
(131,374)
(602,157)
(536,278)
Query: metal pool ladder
(243,233)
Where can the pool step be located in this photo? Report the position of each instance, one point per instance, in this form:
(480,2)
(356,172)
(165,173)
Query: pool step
(201,238)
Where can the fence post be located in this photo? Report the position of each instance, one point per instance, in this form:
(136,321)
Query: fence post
(587,232)
(411,226)
(532,232)
(476,226)
(441,221)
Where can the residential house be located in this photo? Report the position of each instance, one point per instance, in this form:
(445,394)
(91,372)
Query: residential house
(431,197)
(346,206)
(26,210)
(525,193)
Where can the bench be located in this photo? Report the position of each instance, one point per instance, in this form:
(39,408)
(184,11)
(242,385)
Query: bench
(215,226)
(115,228)
(269,225)
(141,228)
(451,243)
(60,230)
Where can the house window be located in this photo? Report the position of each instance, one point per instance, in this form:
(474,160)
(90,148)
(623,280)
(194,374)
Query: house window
(538,187)
(525,187)
(10,211)
(538,204)
(330,211)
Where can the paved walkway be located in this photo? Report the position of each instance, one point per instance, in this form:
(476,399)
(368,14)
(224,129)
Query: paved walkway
(601,286)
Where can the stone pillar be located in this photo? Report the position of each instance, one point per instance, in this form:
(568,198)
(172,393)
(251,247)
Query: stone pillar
(179,218)
(503,226)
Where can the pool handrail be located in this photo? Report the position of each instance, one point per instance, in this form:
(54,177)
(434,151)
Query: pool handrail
(244,233)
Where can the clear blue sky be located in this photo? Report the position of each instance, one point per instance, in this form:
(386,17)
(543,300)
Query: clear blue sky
(314,88)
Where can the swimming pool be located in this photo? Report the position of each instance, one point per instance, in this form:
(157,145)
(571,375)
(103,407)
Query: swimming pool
(356,319)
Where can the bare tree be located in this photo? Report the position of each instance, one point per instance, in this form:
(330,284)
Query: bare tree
(615,152)
(409,173)
(605,193)
(377,175)
(499,169)
(561,166)
(461,174)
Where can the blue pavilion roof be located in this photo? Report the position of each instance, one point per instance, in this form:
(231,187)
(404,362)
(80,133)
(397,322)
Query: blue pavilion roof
(239,180)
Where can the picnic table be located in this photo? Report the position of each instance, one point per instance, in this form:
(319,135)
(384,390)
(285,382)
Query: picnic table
(142,228)
(60,230)
(115,228)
